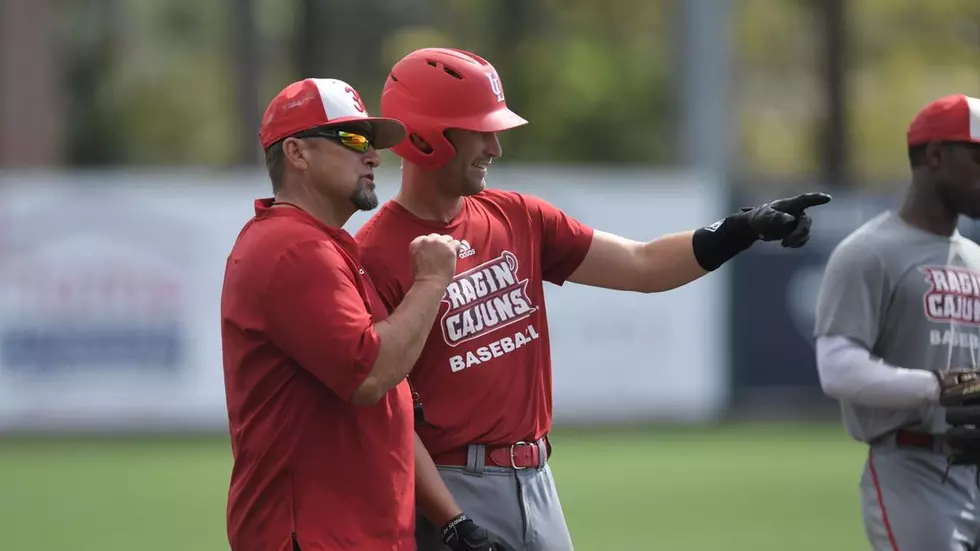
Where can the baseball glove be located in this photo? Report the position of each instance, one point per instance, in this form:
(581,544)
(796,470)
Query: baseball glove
(960,394)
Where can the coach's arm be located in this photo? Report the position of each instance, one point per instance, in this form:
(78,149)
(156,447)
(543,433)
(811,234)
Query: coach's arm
(676,259)
(402,335)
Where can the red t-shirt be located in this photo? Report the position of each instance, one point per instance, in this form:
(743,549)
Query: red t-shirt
(297,315)
(484,375)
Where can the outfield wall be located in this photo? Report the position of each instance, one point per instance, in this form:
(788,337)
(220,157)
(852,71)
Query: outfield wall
(110,284)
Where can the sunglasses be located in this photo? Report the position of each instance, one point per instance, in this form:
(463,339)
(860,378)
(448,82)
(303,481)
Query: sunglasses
(351,140)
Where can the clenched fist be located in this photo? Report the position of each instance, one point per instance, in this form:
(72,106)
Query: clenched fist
(434,258)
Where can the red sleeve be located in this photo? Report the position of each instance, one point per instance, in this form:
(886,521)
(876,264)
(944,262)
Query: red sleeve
(386,258)
(383,274)
(564,240)
(316,316)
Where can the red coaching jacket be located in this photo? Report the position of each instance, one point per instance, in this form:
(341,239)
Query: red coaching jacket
(297,315)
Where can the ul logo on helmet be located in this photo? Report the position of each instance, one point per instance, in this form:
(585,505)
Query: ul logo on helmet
(495,86)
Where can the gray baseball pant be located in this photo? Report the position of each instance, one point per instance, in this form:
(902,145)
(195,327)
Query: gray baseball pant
(906,505)
(520,506)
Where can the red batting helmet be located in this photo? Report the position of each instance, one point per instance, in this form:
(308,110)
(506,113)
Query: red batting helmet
(432,89)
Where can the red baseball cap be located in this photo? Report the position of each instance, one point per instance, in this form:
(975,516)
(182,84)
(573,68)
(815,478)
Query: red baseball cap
(319,102)
(953,118)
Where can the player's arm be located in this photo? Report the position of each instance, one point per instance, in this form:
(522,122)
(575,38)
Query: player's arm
(615,262)
(316,315)
(848,371)
(431,494)
(434,500)
(851,306)
(676,259)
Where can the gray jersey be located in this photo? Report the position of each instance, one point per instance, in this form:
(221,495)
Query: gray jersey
(910,297)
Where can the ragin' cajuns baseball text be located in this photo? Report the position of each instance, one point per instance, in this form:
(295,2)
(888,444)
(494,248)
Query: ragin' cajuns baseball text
(953,295)
(484,299)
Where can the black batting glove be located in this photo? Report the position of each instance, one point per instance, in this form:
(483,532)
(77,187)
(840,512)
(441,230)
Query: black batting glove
(784,220)
(462,534)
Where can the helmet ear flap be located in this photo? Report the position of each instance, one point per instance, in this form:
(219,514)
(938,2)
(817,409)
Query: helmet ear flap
(426,149)
(444,149)
(419,143)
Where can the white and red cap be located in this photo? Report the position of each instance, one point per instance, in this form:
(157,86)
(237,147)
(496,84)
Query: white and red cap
(323,102)
(953,118)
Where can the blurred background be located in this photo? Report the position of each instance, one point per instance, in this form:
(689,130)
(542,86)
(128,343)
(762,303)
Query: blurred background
(691,420)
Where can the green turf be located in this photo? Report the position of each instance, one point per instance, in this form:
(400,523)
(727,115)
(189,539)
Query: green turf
(728,488)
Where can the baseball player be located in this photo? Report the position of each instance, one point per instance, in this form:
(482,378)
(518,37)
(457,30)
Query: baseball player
(319,411)
(483,381)
(897,325)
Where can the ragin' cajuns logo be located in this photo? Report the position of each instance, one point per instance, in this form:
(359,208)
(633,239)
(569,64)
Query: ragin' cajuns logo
(953,295)
(484,299)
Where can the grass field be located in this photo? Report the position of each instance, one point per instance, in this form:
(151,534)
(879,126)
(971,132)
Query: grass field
(731,488)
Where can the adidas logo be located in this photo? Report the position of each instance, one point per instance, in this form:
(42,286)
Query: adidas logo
(465,249)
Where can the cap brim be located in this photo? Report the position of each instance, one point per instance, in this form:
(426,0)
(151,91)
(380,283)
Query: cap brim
(385,132)
(919,140)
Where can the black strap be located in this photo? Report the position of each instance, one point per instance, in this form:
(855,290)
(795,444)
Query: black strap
(416,405)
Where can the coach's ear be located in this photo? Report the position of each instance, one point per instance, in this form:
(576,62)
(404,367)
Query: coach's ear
(294,153)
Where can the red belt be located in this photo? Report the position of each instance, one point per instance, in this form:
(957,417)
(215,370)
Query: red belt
(521,455)
(911,439)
